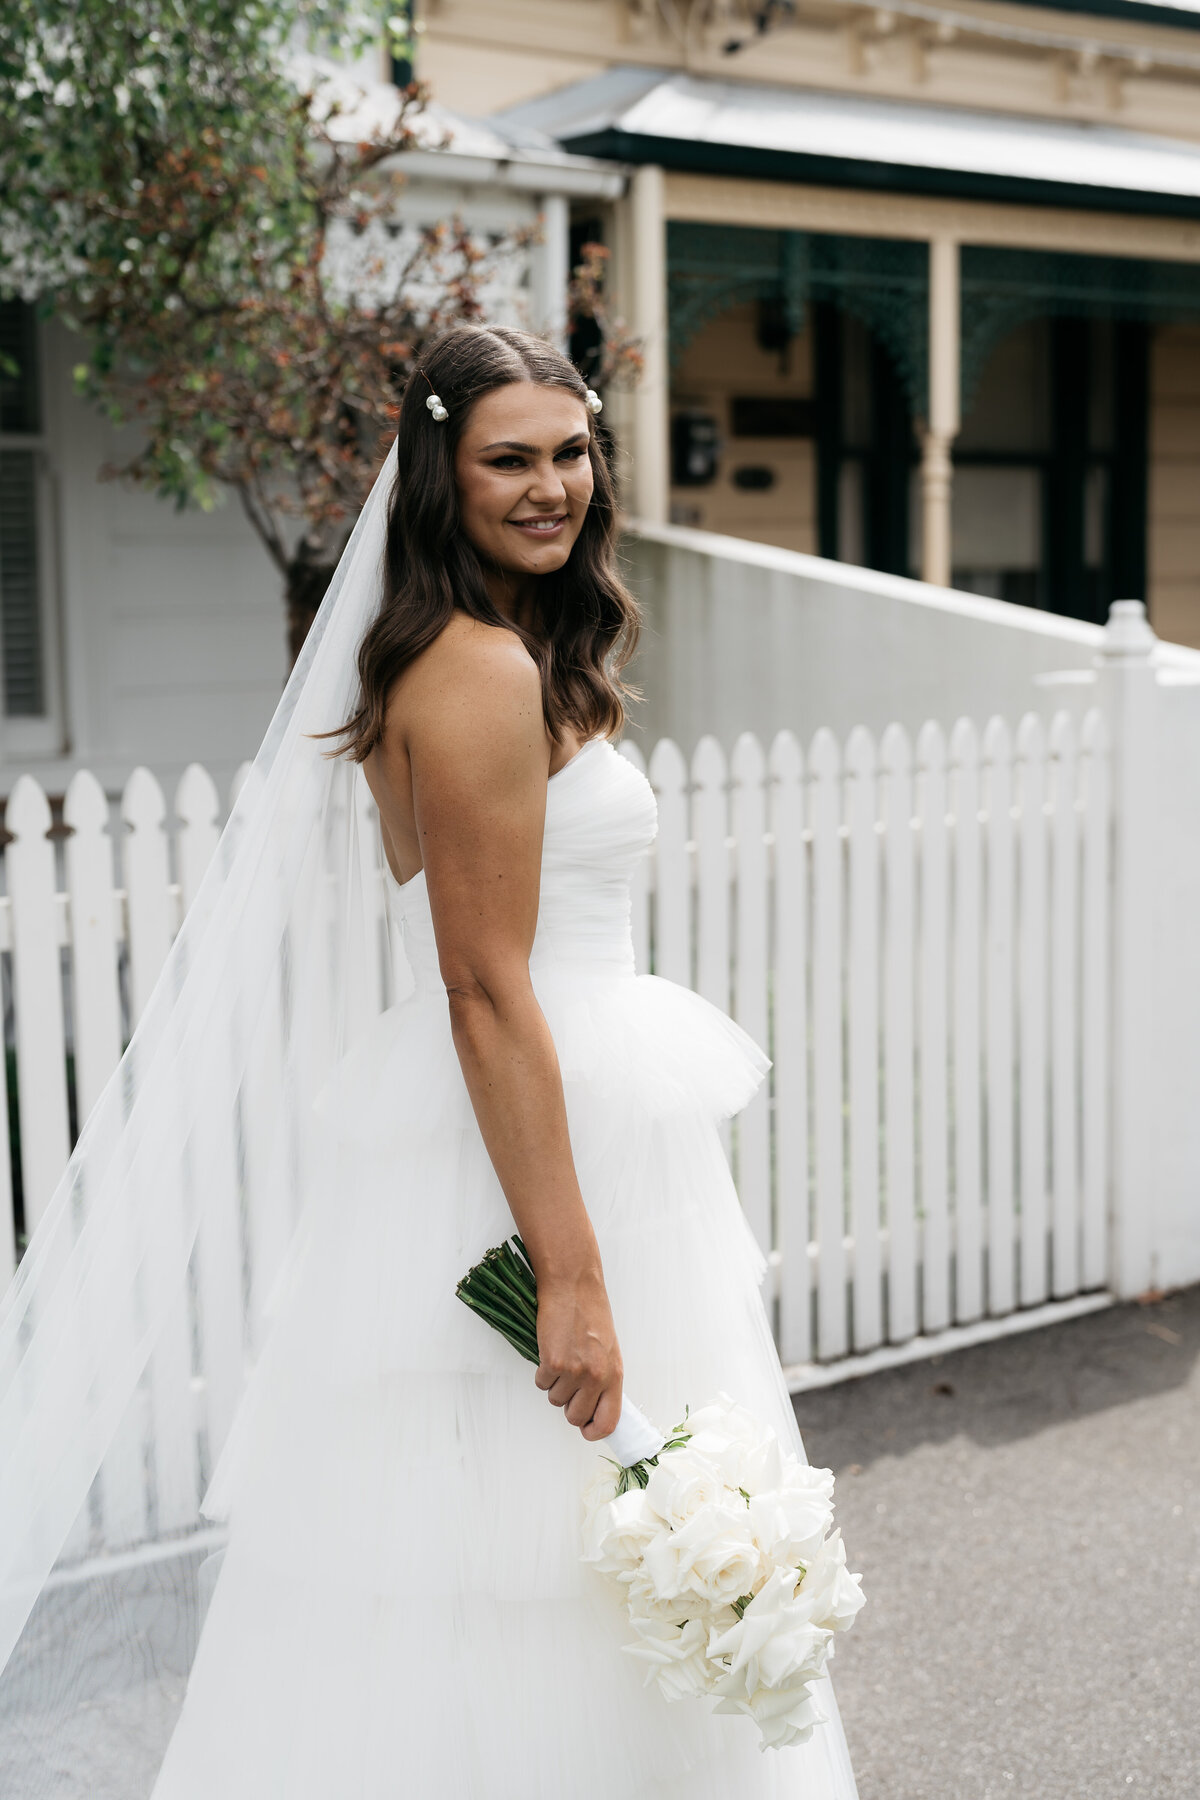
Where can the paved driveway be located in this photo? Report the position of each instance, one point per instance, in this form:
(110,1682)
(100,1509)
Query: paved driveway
(1027,1519)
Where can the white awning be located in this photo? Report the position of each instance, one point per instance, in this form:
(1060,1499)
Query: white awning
(684,121)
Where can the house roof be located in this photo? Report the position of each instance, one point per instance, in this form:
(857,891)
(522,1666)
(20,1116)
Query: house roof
(641,115)
(1182,14)
(450,146)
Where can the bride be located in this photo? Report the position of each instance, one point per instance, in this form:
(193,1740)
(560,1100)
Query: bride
(401,1609)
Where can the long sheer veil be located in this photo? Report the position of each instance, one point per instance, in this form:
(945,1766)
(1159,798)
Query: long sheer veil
(128,1332)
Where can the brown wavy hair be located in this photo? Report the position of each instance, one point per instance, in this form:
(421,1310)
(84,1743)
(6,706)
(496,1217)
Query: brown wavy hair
(587,620)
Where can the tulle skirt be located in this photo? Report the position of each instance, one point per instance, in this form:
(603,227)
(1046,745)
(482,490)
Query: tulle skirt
(401,1613)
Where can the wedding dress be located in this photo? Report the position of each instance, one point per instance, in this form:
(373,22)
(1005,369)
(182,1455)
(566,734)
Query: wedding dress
(239,1306)
(402,1610)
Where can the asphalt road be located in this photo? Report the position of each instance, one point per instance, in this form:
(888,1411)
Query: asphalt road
(1026,1516)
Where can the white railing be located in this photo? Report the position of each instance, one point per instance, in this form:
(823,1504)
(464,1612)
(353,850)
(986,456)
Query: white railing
(918,934)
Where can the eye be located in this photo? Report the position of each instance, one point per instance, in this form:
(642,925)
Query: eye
(572,453)
(508,461)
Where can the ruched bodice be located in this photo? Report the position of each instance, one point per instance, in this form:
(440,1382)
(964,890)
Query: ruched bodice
(600,820)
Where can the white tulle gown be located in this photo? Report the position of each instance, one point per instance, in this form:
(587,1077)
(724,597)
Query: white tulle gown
(402,1613)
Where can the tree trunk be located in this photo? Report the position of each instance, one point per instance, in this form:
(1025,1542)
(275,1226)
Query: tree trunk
(309,574)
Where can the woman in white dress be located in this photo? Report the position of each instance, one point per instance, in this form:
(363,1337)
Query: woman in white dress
(402,1610)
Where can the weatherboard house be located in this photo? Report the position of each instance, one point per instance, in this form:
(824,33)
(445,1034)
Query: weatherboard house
(918,288)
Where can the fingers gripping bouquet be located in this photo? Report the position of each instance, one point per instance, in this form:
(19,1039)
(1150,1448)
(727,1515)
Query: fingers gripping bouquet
(721,1541)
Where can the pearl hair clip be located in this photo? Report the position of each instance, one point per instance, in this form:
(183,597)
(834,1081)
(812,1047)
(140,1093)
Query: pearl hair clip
(593,402)
(437,409)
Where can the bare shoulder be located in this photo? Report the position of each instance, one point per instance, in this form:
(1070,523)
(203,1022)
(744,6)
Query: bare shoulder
(475,688)
(469,655)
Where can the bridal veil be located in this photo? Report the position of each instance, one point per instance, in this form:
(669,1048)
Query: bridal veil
(145,1292)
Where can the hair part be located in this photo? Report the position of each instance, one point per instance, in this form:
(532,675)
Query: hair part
(587,620)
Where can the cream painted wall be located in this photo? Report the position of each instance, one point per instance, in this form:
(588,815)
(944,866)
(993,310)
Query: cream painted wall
(171,624)
(1174,489)
(481,55)
(722,360)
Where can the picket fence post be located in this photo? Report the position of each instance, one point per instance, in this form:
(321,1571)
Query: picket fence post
(1128,693)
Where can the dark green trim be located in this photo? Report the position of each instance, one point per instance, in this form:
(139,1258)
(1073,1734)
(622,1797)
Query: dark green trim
(827,393)
(1122,9)
(1131,437)
(888,467)
(849,172)
(1065,477)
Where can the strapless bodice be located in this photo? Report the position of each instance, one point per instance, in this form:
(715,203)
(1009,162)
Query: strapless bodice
(600,820)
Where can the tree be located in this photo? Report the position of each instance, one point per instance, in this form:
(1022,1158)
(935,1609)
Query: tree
(213,209)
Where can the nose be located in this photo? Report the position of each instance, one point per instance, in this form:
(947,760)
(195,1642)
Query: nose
(546,484)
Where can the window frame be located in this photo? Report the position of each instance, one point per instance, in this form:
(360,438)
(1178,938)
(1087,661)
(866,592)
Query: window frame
(41,734)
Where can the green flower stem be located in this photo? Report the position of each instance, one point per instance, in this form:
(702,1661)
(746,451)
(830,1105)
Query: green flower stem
(502,1289)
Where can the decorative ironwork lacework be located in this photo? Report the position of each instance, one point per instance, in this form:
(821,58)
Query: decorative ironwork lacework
(1004,288)
(882,281)
(885,283)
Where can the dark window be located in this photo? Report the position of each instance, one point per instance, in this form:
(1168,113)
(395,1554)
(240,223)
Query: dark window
(20,579)
(20,408)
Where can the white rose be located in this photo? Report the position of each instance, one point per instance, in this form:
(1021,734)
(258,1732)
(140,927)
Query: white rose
(789,1523)
(643,1602)
(600,1488)
(684,1481)
(615,1534)
(674,1657)
(783,1715)
(775,1643)
(734,1442)
(828,1594)
(713,1555)
(730,1422)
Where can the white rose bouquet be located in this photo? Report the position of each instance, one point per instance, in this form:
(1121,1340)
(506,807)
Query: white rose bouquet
(720,1540)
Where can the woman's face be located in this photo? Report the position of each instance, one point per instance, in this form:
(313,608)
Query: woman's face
(524,477)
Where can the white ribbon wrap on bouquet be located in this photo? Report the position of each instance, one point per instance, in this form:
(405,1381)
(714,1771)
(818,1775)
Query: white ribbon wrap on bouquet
(634,1439)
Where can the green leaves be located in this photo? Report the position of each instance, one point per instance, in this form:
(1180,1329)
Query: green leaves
(638,1474)
(182,191)
(174,188)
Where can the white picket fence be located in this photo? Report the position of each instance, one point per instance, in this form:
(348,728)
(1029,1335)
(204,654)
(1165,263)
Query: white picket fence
(918,933)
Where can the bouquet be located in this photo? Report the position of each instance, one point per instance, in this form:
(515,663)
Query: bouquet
(720,1541)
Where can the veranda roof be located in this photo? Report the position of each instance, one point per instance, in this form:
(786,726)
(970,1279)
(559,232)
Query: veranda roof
(698,123)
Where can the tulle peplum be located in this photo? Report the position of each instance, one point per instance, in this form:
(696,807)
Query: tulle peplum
(402,1611)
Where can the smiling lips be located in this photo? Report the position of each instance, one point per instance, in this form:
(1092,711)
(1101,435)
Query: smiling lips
(540,527)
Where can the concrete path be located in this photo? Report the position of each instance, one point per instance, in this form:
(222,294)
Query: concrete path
(1026,1515)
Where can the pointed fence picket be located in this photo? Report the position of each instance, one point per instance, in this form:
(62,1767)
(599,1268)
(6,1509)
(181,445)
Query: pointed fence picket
(917,935)
(862,1022)
(1094,1007)
(828,1100)
(789,1045)
(748,810)
(1031,1004)
(899,977)
(1000,1013)
(932,1038)
(967,1017)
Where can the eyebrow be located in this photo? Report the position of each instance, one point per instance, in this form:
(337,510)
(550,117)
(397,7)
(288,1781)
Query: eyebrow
(531,449)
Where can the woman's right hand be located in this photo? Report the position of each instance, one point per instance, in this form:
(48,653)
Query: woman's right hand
(581,1367)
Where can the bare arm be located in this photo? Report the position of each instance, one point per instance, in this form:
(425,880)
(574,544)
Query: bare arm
(474,741)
